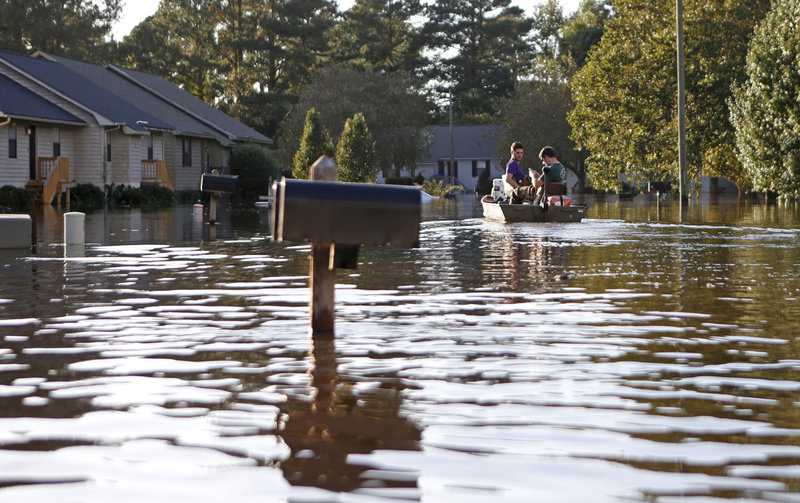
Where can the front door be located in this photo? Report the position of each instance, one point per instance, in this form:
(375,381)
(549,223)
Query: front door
(32,151)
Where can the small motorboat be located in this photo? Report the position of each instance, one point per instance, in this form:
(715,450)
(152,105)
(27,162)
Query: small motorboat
(526,212)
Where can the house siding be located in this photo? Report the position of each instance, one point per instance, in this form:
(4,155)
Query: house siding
(14,171)
(185,177)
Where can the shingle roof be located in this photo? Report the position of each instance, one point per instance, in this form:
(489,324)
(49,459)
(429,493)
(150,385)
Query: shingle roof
(469,142)
(173,94)
(17,101)
(85,92)
(111,81)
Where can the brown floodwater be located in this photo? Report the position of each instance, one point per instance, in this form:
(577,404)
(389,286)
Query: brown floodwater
(642,355)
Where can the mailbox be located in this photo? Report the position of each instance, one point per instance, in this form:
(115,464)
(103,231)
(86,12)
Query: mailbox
(218,183)
(346,213)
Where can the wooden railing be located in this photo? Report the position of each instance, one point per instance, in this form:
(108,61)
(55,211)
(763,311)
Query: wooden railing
(53,174)
(156,172)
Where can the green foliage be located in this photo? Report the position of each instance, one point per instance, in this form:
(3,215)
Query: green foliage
(440,189)
(255,168)
(189,196)
(537,116)
(14,199)
(144,196)
(86,197)
(396,114)
(483,50)
(314,142)
(377,36)
(625,96)
(766,108)
(75,28)
(355,152)
(582,31)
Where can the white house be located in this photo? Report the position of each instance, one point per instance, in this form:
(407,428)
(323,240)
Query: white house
(65,121)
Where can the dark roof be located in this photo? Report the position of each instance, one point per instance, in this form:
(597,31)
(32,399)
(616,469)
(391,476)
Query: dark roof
(84,91)
(111,81)
(469,142)
(17,101)
(177,96)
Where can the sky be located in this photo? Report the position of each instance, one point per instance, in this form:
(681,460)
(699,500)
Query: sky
(135,11)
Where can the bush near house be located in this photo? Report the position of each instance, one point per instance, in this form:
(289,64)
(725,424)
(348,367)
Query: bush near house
(399,180)
(355,153)
(147,196)
(255,168)
(87,197)
(14,199)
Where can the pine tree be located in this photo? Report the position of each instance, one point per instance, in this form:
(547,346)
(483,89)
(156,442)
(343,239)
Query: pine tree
(355,153)
(314,143)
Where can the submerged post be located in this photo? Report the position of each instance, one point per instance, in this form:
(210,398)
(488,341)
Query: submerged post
(322,274)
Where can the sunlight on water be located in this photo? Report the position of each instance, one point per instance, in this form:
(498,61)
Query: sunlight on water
(625,358)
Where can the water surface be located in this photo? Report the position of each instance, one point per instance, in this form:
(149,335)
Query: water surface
(637,356)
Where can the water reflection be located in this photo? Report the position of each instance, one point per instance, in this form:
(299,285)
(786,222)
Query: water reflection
(628,357)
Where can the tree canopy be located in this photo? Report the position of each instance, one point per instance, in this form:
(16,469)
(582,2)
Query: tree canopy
(766,107)
(626,94)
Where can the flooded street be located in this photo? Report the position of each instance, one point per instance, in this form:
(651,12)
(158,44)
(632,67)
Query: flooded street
(627,358)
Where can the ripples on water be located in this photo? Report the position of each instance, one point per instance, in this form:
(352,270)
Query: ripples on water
(606,361)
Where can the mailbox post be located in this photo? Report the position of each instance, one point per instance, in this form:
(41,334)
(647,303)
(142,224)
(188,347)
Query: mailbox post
(337,218)
(215,185)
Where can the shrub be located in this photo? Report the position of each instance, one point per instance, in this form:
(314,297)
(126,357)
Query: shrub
(15,199)
(147,195)
(189,196)
(484,184)
(158,196)
(399,180)
(355,153)
(419,179)
(439,188)
(254,167)
(86,197)
(314,143)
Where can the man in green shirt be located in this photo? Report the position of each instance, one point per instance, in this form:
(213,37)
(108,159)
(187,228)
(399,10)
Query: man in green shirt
(552,171)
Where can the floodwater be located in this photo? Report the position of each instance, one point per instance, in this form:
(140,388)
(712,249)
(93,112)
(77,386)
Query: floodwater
(631,357)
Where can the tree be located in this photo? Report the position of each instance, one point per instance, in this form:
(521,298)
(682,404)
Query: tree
(355,153)
(537,116)
(582,31)
(765,109)
(255,168)
(314,143)
(487,40)
(397,114)
(625,96)
(377,36)
(73,28)
(178,43)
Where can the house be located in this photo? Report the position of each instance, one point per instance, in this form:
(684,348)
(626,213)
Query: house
(475,147)
(66,121)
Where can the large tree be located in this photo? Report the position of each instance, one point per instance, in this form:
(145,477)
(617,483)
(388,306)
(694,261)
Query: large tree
(582,31)
(178,42)
(625,96)
(395,112)
(766,108)
(76,28)
(482,49)
(377,35)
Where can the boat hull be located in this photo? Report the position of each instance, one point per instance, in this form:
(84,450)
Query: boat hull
(510,213)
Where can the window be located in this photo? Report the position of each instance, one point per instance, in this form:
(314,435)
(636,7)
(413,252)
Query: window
(441,168)
(57,144)
(186,146)
(474,169)
(453,171)
(12,142)
(150,148)
(108,152)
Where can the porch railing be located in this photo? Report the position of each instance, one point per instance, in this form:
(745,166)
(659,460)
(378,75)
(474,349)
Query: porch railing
(53,174)
(156,172)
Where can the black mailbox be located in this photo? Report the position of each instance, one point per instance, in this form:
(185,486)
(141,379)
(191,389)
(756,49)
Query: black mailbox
(218,183)
(346,213)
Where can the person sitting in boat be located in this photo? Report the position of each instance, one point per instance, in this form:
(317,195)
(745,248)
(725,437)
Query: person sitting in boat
(517,186)
(552,170)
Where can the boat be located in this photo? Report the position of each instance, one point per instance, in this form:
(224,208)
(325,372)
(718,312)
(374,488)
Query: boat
(527,212)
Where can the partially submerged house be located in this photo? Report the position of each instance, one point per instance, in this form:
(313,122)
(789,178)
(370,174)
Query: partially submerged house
(66,121)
